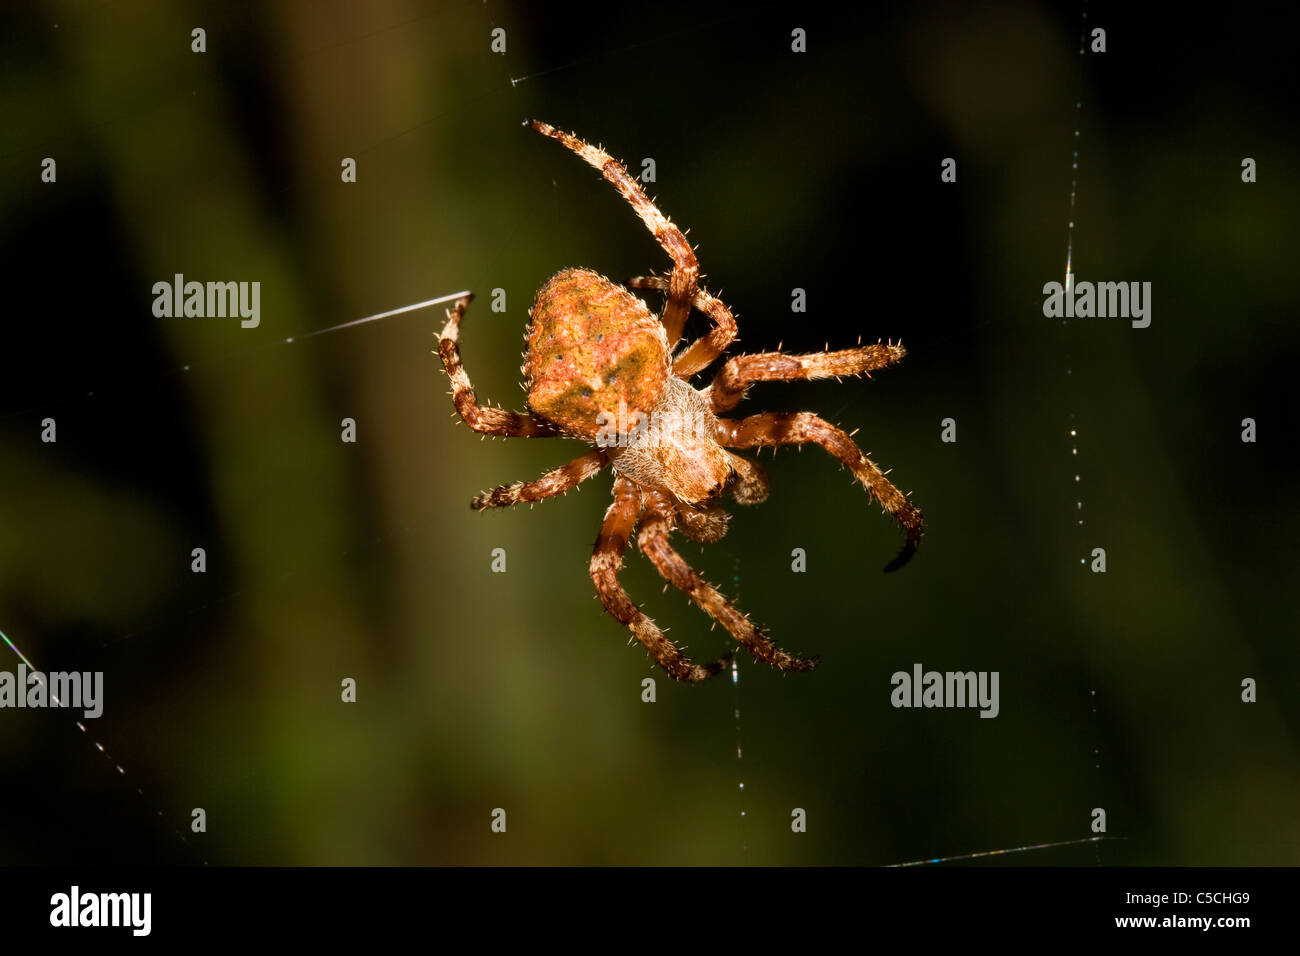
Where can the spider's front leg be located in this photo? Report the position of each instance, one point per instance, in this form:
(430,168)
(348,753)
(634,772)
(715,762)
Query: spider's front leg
(739,373)
(796,428)
(656,523)
(555,482)
(607,559)
(488,421)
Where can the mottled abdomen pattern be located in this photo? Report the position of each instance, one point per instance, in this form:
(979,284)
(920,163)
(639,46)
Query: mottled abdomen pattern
(591,346)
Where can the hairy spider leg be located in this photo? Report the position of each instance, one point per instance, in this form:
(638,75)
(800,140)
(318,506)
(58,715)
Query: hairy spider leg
(741,371)
(607,559)
(686,269)
(555,482)
(704,350)
(656,524)
(705,525)
(487,420)
(750,485)
(795,428)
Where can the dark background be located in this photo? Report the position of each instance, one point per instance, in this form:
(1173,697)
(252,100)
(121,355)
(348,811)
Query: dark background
(479,690)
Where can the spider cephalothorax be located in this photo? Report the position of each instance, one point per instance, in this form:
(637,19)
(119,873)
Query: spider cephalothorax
(600,368)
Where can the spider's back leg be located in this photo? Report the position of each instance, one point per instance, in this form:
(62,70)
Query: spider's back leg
(686,269)
(703,350)
(487,420)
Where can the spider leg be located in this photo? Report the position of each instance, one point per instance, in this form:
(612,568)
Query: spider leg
(489,421)
(750,486)
(555,482)
(796,428)
(705,349)
(607,559)
(686,270)
(656,523)
(705,525)
(739,372)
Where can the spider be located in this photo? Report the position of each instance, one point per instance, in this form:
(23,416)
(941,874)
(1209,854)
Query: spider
(597,360)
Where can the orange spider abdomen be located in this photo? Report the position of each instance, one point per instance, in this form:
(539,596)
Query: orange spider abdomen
(593,346)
